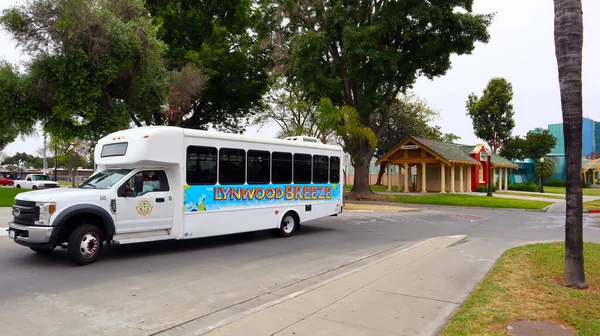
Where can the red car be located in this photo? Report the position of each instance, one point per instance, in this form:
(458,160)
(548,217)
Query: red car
(6,181)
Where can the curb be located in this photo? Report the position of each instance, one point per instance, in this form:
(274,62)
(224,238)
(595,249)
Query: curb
(235,318)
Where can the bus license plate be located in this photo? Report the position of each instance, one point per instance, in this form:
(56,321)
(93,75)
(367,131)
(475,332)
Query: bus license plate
(11,234)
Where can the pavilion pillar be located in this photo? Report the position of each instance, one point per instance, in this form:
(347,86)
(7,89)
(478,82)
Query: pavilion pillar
(499,178)
(452,190)
(462,186)
(423,177)
(442,178)
(493,176)
(389,177)
(399,178)
(505,178)
(469,186)
(406,169)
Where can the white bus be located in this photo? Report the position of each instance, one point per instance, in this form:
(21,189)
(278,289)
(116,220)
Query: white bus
(161,183)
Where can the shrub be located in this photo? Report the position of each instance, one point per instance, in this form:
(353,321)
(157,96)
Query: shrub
(554,183)
(484,189)
(523,187)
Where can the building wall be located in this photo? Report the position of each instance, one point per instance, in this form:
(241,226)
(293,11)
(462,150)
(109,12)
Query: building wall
(557,131)
(596,137)
(587,137)
(590,137)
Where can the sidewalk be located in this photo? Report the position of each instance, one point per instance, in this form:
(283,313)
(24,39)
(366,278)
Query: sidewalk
(412,292)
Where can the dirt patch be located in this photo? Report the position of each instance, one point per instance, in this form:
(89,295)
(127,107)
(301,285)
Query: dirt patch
(366,196)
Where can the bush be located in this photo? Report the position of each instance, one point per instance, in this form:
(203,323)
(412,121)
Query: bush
(586,185)
(483,189)
(554,183)
(523,187)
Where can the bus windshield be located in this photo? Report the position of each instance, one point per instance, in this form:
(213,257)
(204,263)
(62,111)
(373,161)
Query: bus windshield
(105,179)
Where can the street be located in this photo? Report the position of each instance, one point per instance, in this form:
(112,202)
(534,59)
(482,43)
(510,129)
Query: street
(151,288)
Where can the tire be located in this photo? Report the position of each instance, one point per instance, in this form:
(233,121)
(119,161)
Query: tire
(18,186)
(85,244)
(289,225)
(10,184)
(41,250)
(34,187)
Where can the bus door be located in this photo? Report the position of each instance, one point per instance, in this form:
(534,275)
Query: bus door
(143,202)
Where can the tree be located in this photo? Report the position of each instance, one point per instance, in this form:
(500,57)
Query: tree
(409,116)
(15,108)
(539,143)
(568,42)
(22,161)
(295,114)
(548,170)
(71,152)
(95,65)
(220,39)
(515,148)
(361,55)
(492,113)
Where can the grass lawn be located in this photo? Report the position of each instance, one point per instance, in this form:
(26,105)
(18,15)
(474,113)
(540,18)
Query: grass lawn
(525,284)
(592,205)
(470,200)
(562,190)
(544,195)
(7,196)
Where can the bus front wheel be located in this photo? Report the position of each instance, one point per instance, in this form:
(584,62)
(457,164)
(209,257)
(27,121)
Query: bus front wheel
(289,225)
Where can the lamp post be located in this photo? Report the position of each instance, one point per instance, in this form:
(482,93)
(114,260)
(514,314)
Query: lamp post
(542,175)
(489,160)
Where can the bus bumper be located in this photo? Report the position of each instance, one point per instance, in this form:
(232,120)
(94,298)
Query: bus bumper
(32,236)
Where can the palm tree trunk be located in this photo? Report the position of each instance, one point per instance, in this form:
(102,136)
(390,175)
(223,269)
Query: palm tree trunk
(568,42)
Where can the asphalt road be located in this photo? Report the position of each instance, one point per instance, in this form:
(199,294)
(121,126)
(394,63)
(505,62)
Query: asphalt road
(149,288)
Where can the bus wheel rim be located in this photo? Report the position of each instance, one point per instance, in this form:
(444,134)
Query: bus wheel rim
(288,224)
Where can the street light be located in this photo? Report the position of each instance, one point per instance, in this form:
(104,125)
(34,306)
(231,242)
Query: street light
(542,176)
(489,160)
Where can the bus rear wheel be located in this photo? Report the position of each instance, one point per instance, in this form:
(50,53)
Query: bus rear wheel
(289,225)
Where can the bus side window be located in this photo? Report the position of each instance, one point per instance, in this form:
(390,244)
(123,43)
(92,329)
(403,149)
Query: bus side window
(232,166)
(201,165)
(302,168)
(320,169)
(259,167)
(281,168)
(334,169)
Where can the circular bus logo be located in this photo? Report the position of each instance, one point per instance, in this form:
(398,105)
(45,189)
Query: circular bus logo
(16,212)
(144,207)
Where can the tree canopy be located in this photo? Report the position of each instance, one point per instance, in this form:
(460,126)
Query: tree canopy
(539,143)
(17,115)
(95,64)
(534,145)
(492,113)
(362,54)
(220,38)
(291,110)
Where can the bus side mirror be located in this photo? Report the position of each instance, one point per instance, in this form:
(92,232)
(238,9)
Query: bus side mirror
(139,183)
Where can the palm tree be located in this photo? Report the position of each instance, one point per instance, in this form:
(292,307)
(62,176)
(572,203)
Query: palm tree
(568,43)
(548,167)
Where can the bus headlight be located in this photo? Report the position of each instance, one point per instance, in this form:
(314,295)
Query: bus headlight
(46,212)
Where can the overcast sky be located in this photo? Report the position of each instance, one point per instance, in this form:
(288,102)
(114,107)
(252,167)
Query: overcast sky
(521,50)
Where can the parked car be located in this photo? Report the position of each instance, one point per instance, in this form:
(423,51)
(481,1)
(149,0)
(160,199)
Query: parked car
(36,181)
(4,181)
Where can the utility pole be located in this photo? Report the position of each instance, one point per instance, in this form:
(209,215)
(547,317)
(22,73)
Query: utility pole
(55,151)
(45,164)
